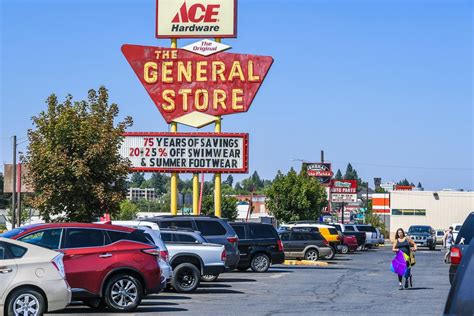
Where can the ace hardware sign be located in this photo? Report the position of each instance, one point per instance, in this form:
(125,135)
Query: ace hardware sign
(186,152)
(196,18)
(180,82)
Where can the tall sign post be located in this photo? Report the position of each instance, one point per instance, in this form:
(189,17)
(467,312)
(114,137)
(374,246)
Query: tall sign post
(195,86)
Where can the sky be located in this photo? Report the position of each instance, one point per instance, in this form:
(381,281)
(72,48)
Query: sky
(383,84)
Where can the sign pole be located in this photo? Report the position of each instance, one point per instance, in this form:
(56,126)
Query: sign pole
(195,194)
(217,181)
(174,175)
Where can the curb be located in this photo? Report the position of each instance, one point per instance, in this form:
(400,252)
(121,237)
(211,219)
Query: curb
(305,263)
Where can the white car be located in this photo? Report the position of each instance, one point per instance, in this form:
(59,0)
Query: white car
(164,263)
(456,229)
(32,279)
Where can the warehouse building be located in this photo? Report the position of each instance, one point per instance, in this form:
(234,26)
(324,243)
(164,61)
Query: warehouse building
(438,209)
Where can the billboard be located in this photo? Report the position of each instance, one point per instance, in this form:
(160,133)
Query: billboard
(181,82)
(196,18)
(8,178)
(320,170)
(186,152)
(344,191)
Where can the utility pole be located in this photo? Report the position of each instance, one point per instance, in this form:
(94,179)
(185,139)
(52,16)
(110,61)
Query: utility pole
(13,208)
(366,201)
(322,156)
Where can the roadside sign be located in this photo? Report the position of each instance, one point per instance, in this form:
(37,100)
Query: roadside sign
(206,47)
(322,171)
(196,18)
(186,152)
(180,82)
(344,191)
(343,198)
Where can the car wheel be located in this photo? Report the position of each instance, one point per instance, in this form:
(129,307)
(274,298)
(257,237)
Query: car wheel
(209,277)
(26,302)
(312,255)
(123,293)
(331,255)
(344,249)
(260,263)
(186,278)
(243,269)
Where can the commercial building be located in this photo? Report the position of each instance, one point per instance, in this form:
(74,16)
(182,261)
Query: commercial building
(438,209)
(135,194)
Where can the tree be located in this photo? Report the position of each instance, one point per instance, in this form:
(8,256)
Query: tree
(295,197)
(419,185)
(228,206)
(128,211)
(159,182)
(338,175)
(74,161)
(229,180)
(404,182)
(137,179)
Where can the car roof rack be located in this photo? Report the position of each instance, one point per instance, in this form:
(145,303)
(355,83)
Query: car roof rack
(183,216)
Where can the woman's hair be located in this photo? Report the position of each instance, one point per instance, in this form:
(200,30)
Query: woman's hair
(400,229)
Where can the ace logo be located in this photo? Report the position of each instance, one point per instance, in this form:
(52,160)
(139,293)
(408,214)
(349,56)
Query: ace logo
(197,13)
(196,18)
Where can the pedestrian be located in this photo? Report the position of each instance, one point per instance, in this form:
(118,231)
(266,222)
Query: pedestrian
(406,245)
(448,241)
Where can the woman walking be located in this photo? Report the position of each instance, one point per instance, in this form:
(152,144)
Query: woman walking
(406,245)
(448,241)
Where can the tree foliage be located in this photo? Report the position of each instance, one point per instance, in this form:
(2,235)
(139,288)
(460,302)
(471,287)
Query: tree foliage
(228,206)
(295,197)
(73,156)
(338,175)
(128,211)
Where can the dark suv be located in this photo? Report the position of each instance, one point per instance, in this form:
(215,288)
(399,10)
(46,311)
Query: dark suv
(214,229)
(460,245)
(423,236)
(259,246)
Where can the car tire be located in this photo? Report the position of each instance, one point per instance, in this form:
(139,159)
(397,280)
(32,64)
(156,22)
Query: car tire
(344,249)
(311,255)
(209,277)
(331,255)
(26,295)
(243,269)
(260,263)
(186,278)
(129,300)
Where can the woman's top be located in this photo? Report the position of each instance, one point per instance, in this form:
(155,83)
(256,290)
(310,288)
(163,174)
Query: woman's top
(404,246)
(449,240)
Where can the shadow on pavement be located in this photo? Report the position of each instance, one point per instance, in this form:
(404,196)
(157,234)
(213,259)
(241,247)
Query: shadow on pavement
(167,297)
(313,268)
(213,285)
(216,291)
(232,280)
(419,288)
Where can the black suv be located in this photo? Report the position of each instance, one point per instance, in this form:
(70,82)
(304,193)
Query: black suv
(259,246)
(214,230)
(461,244)
(423,236)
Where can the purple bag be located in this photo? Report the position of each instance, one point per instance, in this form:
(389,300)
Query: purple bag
(399,263)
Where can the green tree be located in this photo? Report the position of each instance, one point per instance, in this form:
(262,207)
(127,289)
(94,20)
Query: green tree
(338,175)
(229,180)
(128,211)
(159,182)
(74,161)
(295,197)
(419,185)
(228,206)
(137,180)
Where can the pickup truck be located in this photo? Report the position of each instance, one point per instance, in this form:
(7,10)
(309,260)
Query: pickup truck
(371,235)
(190,256)
(350,231)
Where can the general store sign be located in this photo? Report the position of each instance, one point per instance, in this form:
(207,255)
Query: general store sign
(180,82)
(196,18)
(186,152)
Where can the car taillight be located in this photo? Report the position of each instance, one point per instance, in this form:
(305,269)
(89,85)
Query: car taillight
(223,255)
(456,255)
(164,255)
(233,240)
(153,251)
(280,246)
(59,265)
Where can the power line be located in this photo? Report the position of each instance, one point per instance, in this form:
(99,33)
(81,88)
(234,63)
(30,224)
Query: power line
(405,167)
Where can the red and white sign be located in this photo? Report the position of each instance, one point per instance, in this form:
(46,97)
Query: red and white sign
(186,152)
(196,18)
(319,169)
(180,82)
(403,188)
(206,47)
(344,186)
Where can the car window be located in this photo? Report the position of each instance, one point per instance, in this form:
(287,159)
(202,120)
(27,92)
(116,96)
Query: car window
(14,251)
(419,229)
(466,232)
(262,231)
(457,228)
(285,236)
(184,238)
(240,231)
(316,236)
(12,233)
(167,237)
(338,228)
(172,223)
(82,237)
(297,236)
(210,228)
(369,229)
(349,228)
(332,231)
(137,235)
(48,238)
(2,251)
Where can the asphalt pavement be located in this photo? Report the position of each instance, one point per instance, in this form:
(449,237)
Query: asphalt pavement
(353,284)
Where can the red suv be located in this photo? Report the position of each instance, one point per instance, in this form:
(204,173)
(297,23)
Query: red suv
(105,264)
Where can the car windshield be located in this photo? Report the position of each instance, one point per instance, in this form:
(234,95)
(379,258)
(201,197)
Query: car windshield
(419,229)
(457,228)
(12,233)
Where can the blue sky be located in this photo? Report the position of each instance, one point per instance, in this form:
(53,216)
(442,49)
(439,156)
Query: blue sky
(384,84)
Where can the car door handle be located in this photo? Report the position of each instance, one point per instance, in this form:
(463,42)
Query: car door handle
(5,270)
(105,255)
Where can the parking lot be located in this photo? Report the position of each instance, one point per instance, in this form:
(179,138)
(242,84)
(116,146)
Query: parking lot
(360,283)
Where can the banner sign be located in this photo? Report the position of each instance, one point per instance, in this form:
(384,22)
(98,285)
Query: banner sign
(196,18)
(344,186)
(180,82)
(186,152)
(403,188)
(322,171)
(343,198)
